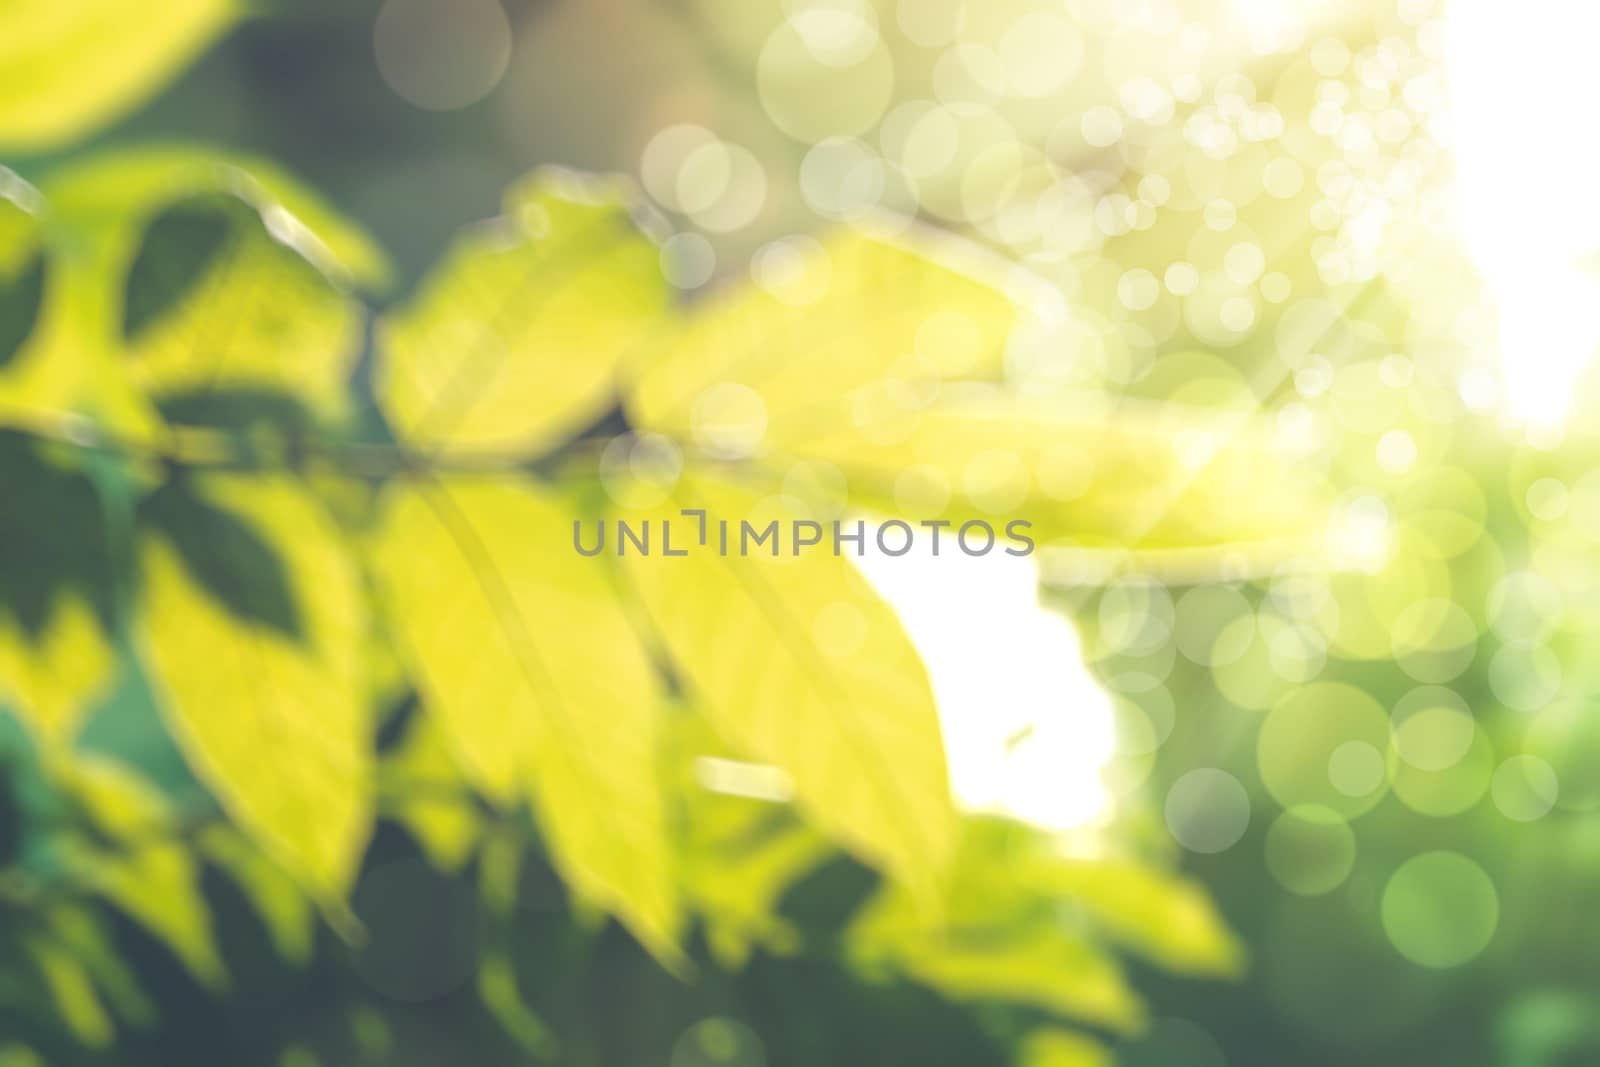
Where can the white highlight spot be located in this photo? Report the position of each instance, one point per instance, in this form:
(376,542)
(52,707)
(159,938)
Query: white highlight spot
(1027,730)
(1521,87)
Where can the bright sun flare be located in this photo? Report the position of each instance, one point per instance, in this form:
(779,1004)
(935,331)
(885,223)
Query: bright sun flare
(1521,83)
(1027,730)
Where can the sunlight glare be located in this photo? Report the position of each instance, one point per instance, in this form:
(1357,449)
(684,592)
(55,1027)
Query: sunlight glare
(1027,730)
(1521,81)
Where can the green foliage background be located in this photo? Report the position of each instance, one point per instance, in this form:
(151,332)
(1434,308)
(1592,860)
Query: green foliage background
(322,746)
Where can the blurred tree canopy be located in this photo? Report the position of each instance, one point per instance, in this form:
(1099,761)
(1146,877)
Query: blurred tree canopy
(285,571)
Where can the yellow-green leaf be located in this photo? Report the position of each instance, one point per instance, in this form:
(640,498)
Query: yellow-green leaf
(515,339)
(50,678)
(284,909)
(797,663)
(503,999)
(14,1054)
(1023,921)
(55,588)
(79,930)
(430,794)
(885,360)
(97,211)
(998,935)
(23,267)
(150,876)
(1046,963)
(1052,1047)
(69,986)
(252,622)
(1170,920)
(741,845)
(215,302)
(825,329)
(110,197)
(1007,868)
(524,655)
(66,68)
(221,280)
(1151,480)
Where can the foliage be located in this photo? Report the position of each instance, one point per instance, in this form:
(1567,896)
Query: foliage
(289,597)
(69,67)
(252,539)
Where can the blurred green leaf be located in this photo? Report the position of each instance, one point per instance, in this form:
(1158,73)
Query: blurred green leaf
(20,298)
(284,909)
(1024,922)
(797,663)
(225,555)
(515,339)
(22,264)
(497,985)
(826,329)
(1150,479)
(149,872)
(55,588)
(69,986)
(269,707)
(15,1055)
(1049,1047)
(83,935)
(1046,962)
(1167,919)
(50,677)
(271,310)
(1170,920)
(884,359)
(499,872)
(434,801)
(216,302)
(67,68)
(737,853)
(109,199)
(178,247)
(523,653)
